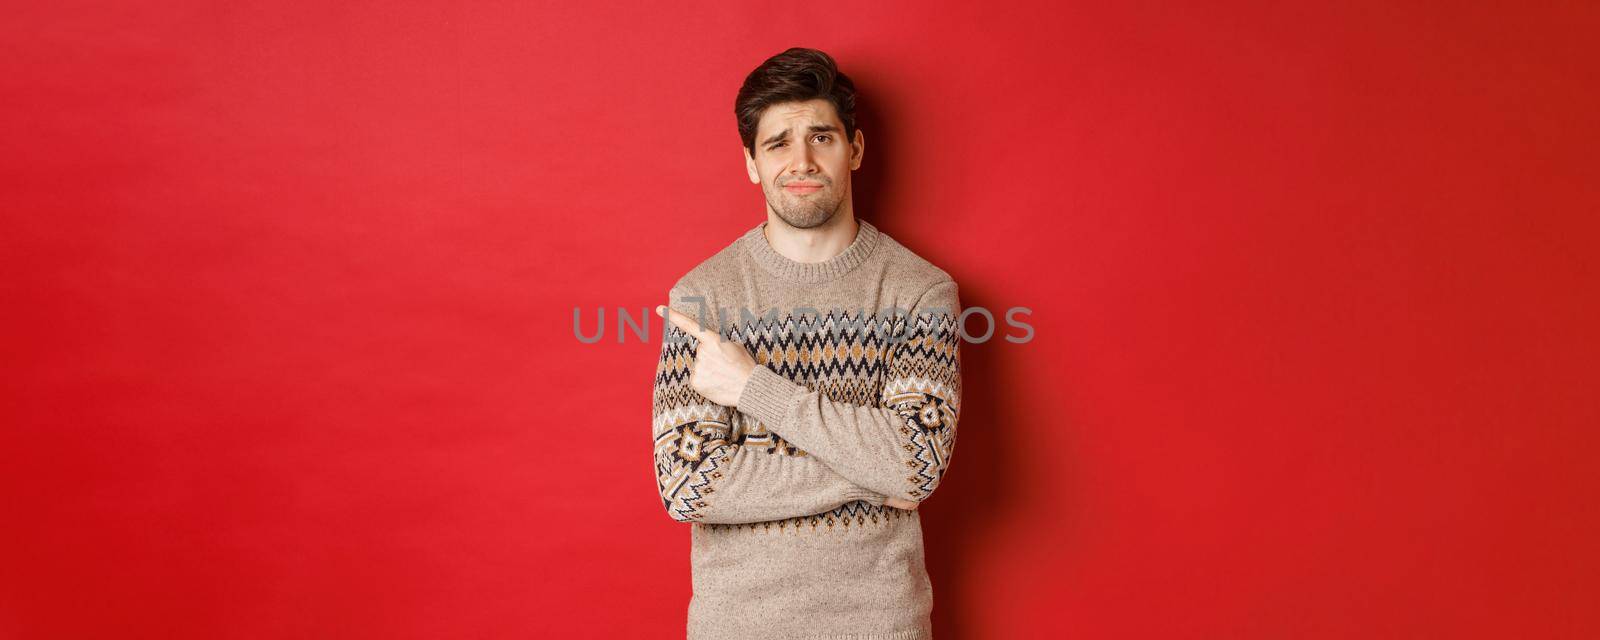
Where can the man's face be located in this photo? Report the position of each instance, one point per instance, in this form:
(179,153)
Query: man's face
(803,162)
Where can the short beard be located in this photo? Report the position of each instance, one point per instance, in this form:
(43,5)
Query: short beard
(807,213)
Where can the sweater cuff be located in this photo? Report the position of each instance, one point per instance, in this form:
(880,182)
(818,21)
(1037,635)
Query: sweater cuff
(769,396)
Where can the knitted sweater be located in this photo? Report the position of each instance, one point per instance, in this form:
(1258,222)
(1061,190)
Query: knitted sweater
(854,399)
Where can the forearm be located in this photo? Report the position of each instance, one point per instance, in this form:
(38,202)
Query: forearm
(719,482)
(881,449)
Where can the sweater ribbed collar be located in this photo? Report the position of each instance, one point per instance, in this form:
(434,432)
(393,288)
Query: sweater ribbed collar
(867,239)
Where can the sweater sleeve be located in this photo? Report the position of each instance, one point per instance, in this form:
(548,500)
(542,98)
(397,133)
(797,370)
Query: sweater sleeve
(902,448)
(714,465)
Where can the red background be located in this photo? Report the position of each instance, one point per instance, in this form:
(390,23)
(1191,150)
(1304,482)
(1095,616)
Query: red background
(289,296)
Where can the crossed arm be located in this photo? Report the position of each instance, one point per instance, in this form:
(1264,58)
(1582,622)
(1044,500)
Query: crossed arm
(892,455)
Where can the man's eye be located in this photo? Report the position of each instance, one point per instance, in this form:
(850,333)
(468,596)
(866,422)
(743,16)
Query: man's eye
(823,135)
(778,145)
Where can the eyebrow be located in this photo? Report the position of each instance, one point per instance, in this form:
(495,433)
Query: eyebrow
(816,128)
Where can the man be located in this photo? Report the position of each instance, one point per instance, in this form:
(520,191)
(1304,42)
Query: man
(799,425)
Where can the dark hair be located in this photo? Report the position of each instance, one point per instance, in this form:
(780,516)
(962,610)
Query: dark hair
(796,75)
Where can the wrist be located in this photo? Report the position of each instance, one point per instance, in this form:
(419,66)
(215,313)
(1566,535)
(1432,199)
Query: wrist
(743,383)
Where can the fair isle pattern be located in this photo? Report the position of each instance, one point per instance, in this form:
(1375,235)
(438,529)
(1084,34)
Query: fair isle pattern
(859,514)
(692,439)
(909,364)
(687,455)
(692,442)
(925,389)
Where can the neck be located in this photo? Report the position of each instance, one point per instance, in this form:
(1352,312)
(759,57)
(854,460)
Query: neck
(817,244)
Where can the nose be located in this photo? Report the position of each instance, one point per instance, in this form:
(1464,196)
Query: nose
(803,163)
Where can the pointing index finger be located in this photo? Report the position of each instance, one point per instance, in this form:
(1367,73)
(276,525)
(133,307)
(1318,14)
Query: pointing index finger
(689,325)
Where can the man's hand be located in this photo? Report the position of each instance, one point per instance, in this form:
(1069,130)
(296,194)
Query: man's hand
(901,504)
(721,367)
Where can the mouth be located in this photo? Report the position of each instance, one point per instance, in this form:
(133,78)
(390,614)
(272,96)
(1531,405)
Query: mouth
(803,187)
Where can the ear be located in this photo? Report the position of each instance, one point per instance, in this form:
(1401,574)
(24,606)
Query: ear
(858,148)
(750,167)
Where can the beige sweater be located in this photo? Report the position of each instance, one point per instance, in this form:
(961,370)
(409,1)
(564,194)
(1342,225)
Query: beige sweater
(855,398)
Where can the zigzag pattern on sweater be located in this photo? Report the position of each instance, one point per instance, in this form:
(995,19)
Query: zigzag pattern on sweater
(858,514)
